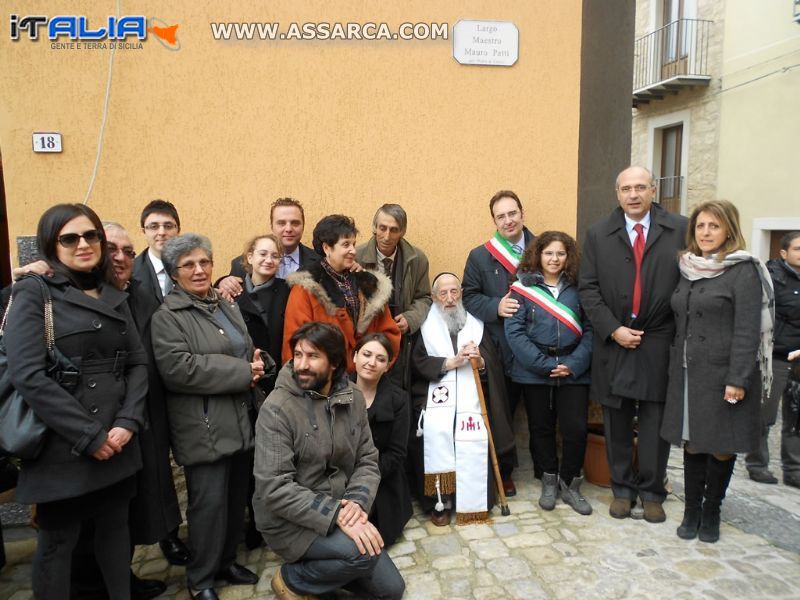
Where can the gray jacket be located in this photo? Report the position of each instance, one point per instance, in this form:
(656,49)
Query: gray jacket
(718,322)
(311,451)
(207,387)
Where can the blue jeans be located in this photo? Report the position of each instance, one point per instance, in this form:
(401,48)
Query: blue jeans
(334,562)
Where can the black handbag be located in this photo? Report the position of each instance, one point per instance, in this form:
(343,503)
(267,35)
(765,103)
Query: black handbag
(22,433)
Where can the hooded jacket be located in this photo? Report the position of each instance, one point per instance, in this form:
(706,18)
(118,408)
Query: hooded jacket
(311,451)
(316,297)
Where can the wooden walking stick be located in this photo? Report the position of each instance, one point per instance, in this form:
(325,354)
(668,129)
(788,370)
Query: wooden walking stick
(504,510)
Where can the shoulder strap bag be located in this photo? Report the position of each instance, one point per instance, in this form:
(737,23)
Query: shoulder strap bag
(22,433)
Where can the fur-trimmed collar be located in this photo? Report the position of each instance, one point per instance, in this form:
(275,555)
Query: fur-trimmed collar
(374,291)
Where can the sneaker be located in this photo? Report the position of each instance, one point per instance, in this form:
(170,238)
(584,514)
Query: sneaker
(547,500)
(572,495)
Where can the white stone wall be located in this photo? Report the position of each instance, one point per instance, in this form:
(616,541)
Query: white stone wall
(703,104)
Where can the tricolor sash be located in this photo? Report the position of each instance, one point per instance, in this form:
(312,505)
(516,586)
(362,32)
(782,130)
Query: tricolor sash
(560,311)
(499,247)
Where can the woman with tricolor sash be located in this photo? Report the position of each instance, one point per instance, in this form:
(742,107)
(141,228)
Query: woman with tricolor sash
(551,340)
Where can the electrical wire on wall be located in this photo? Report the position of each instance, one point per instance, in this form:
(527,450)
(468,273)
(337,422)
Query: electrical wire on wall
(105,116)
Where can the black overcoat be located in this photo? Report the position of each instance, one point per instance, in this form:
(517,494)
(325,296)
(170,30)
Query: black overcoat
(485,283)
(144,273)
(389,423)
(154,511)
(718,322)
(98,336)
(606,290)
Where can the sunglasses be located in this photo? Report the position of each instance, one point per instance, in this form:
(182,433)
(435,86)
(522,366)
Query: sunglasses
(70,240)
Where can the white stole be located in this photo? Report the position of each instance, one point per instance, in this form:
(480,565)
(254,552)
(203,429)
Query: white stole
(455,436)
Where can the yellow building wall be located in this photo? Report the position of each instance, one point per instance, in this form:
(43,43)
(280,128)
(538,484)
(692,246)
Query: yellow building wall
(760,115)
(221,129)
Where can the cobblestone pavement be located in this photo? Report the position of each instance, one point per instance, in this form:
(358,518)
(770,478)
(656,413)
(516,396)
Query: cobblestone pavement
(558,554)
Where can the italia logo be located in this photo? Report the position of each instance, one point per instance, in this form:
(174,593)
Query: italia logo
(78,28)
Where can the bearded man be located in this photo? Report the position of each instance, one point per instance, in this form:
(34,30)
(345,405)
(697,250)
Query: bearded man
(450,450)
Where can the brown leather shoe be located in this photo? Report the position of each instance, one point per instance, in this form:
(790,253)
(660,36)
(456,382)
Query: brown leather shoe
(440,519)
(654,512)
(621,508)
(509,489)
(281,590)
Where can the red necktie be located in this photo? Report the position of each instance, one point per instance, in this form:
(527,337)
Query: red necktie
(638,256)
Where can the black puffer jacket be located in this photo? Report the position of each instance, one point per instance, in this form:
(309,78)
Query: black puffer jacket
(787,307)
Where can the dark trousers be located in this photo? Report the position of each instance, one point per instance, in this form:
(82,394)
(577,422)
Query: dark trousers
(653,452)
(790,444)
(53,558)
(567,405)
(506,462)
(333,562)
(215,514)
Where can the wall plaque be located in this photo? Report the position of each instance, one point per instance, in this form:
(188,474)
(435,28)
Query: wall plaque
(493,43)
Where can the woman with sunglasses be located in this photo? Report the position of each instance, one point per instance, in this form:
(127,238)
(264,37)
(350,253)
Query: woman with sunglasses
(84,474)
(263,304)
(209,366)
(388,414)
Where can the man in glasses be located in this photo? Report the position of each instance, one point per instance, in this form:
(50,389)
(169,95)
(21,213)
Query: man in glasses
(628,273)
(490,270)
(160,222)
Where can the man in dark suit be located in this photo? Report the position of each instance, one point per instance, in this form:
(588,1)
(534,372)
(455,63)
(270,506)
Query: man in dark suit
(160,222)
(628,273)
(287,220)
(407,266)
(490,270)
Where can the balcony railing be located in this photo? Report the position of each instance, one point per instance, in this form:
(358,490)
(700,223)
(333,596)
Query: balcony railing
(674,56)
(669,192)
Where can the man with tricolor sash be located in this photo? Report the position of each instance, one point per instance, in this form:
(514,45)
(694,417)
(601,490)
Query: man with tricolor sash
(450,453)
(490,270)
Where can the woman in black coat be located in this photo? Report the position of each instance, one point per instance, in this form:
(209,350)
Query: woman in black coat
(263,299)
(388,413)
(262,304)
(85,473)
(723,330)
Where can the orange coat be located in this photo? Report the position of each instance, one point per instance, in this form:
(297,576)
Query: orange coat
(315,296)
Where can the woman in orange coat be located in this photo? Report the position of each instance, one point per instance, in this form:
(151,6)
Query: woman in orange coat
(329,292)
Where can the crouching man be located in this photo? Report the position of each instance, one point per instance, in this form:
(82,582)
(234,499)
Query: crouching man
(316,472)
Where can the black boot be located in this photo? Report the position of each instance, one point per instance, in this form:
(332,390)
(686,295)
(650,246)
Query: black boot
(718,476)
(694,483)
